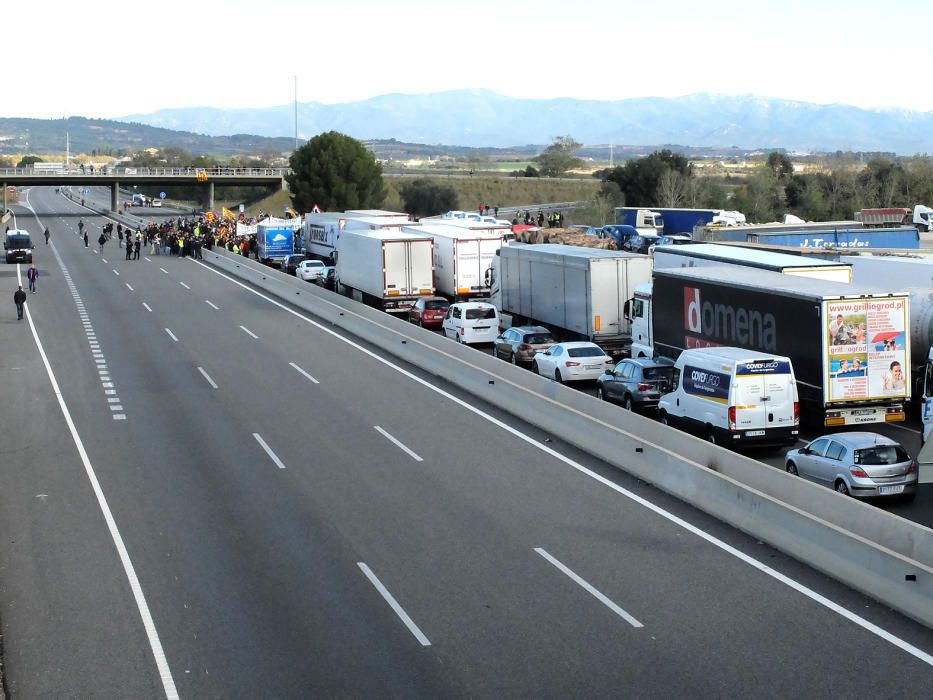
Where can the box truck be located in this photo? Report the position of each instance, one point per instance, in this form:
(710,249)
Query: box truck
(319,234)
(668,221)
(276,242)
(462,258)
(384,268)
(576,293)
(844,341)
(717,254)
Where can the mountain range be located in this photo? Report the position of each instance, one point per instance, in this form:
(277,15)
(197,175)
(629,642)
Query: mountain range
(480,118)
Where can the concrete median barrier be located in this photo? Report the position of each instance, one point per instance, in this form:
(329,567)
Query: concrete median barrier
(882,555)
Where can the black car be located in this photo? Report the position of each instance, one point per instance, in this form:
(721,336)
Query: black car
(291,263)
(635,383)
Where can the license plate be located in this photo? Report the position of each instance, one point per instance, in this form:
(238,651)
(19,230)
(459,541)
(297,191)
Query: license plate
(592,366)
(890,490)
(754,433)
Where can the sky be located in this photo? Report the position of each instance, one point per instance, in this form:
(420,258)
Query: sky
(106,59)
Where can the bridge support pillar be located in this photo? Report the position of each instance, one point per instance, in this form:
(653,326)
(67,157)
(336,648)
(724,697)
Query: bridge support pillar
(209,196)
(5,207)
(115,197)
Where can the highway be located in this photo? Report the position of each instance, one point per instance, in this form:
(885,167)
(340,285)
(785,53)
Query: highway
(207,494)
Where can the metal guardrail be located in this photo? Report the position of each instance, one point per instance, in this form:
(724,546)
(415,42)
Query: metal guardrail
(147,172)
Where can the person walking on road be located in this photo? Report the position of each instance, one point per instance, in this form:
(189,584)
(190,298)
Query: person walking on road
(85,238)
(100,241)
(47,235)
(32,274)
(129,247)
(136,246)
(19,298)
(80,227)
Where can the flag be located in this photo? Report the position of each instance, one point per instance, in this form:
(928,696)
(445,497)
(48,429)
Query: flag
(227,214)
(315,209)
(210,216)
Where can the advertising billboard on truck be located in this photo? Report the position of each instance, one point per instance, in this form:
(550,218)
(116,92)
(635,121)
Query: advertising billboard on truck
(868,346)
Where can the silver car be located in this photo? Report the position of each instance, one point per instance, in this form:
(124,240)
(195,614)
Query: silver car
(859,464)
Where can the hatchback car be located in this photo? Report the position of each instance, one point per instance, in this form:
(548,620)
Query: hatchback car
(859,464)
(291,262)
(471,322)
(428,312)
(573,361)
(310,270)
(635,383)
(518,345)
(640,243)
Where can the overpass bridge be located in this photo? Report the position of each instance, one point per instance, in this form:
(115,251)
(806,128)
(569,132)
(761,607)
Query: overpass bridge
(114,178)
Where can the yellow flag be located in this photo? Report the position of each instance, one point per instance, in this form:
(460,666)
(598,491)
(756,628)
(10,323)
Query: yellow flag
(209,215)
(227,214)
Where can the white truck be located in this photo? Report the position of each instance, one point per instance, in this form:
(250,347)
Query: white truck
(384,268)
(718,254)
(462,258)
(319,234)
(577,293)
(921,216)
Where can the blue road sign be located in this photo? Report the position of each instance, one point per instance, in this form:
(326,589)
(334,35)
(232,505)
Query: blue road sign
(161,195)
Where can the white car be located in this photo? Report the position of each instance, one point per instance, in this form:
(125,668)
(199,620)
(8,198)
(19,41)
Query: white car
(570,362)
(471,322)
(156,202)
(310,270)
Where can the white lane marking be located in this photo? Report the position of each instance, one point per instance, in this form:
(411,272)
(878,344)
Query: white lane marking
(590,589)
(116,273)
(94,251)
(147,307)
(116,408)
(307,376)
(272,455)
(184,285)
(155,644)
(103,260)
(904,427)
(164,270)
(171,335)
(110,392)
(207,377)
(212,304)
(658,510)
(147,259)
(128,286)
(121,416)
(112,400)
(107,385)
(399,610)
(398,444)
(249,332)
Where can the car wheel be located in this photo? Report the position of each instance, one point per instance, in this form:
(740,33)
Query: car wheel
(791,468)
(599,394)
(627,404)
(534,367)
(711,436)
(842,488)
(514,358)
(662,417)
(557,377)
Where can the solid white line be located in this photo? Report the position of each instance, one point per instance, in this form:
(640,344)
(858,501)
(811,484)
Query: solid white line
(249,332)
(164,270)
(658,510)
(308,376)
(184,285)
(590,589)
(212,304)
(272,455)
(155,644)
(147,307)
(171,335)
(116,273)
(128,286)
(399,610)
(207,377)
(398,444)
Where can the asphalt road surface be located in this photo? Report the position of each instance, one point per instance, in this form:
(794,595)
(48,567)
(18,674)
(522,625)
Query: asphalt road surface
(206,494)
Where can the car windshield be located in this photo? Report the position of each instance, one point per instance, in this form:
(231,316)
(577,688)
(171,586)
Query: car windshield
(436,305)
(18,241)
(881,454)
(538,339)
(584,352)
(477,314)
(658,373)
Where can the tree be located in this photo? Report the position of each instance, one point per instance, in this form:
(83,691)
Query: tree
(780,164)
(26,161)
(422,197)
(559,157)
(671,188)
(640,179)
(336,172)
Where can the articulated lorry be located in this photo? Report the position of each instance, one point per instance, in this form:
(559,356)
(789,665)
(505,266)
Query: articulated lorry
(842,234)
(387,269)
(717,254)
(462,258)
(577,293)
(849,345)
(669,221)
(891,217)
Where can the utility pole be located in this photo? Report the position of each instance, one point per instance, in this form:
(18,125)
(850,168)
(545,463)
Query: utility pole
(610,156)
(296,112)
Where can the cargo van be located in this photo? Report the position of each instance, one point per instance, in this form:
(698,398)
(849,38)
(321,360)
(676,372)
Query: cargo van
(18,246)
(471,322)
(732,396)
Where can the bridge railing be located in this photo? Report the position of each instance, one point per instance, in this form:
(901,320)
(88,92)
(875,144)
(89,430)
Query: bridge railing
(130,172)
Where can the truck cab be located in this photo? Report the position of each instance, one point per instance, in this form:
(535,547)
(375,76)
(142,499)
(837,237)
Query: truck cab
(638,314)
(18,246)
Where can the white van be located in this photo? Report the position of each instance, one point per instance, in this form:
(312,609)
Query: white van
(733,396)
(472,322)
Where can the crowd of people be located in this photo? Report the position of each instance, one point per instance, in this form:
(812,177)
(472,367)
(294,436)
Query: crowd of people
(551,219)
